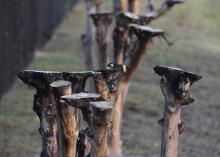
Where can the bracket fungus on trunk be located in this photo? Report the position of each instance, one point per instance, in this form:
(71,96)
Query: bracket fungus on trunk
(102,22)
(102,123)
(175,85)
(44,106)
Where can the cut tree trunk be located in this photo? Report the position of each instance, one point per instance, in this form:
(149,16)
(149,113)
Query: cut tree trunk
(175,85)
(102,117)
(67,118)
(144,37)
(102,22)
(120,34)
(120,6)
(81,101)
(134,6)
(45,107)
(87,37)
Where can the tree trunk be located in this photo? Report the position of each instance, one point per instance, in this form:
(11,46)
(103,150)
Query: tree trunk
(68,120)
(102,22)
(44,106)
(175,85)
(87,37)
(102,118)
(134,6)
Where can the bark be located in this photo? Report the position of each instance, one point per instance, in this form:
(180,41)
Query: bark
(92,6)
(87,37)
(102,118)
(134,6)
(84,143)
(67,118)
(144,37)
(108,80)
(102,22)
(45,108)
(120,6)
(120,35)
(81,101)
(78,80)
(175,85)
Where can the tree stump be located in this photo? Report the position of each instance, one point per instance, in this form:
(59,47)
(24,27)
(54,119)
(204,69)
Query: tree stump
(175,85)
(120,34)
(67,118)
(102,117)
(45,107)
(102,22)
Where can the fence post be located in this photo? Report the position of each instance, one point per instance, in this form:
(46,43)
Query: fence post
(102,117)
(107,81)
(45,107)
(175,85)
(67,119)
(120,34)
(102,22)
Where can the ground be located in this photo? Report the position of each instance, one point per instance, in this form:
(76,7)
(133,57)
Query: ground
(194,26)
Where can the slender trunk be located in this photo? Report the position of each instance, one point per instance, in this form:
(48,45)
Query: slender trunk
(87,37)
(115,144)
(134,6)
(102,118)
(120,6)
(67,118)
(175,85)
(102,22)
(44,106)
(170,133)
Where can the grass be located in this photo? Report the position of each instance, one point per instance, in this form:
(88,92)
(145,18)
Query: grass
(196,26)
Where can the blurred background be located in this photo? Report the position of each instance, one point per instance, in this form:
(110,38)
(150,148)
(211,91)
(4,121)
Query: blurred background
(46,35)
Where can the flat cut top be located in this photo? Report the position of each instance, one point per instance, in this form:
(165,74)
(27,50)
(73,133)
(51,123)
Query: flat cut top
(60,83)
(129,15)
(139,29)
(81,95)
(102,104)
(173,72)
